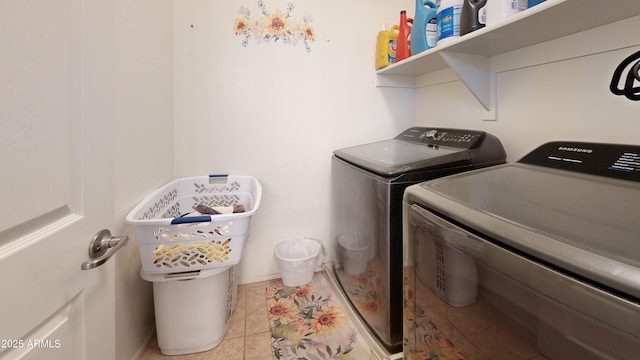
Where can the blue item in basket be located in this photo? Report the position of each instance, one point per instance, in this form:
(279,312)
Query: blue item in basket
(191,219)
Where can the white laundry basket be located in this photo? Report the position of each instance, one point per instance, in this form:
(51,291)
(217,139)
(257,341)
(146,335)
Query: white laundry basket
(190,256)
(171,242)
(193,310)
(297,260)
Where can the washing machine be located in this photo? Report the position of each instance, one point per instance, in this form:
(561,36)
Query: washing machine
(368,182)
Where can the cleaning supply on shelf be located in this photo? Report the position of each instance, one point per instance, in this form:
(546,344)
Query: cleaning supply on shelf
(403,51)
(532,3)
(424,33)
(472,17)
(386,44)
(499,9)
(449,20)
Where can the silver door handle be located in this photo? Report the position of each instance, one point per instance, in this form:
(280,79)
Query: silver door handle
(102,247)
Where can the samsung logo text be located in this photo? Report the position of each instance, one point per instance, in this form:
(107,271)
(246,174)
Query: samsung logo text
(572,149)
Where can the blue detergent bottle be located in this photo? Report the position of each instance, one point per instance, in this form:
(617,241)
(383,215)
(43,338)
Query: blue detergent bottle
(424,34)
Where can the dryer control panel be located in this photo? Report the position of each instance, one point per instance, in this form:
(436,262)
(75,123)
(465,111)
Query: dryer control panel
(610,160)
(466,139)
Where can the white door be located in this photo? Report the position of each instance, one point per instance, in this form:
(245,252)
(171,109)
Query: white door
(56,115)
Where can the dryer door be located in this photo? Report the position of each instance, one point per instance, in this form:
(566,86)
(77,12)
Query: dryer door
(467,296)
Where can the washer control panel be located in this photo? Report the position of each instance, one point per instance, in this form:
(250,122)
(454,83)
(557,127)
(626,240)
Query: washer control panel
(467,139)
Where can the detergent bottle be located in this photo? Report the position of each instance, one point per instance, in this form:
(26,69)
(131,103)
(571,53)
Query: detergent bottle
(449,20)
(532,3)
(386,46)
(424,33)
(403,51)
(495,10)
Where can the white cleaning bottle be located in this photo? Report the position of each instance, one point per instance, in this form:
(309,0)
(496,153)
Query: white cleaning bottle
(449,20)
(500,9)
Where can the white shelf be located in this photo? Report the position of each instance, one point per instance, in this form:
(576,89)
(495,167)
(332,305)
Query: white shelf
(469,55)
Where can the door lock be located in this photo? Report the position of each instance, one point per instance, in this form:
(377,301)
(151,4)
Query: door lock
(102,247)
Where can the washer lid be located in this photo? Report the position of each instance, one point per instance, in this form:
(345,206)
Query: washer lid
(583,223)
(425,149)
(393,156)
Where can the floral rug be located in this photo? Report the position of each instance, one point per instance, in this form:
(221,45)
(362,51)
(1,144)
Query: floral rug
(308,322)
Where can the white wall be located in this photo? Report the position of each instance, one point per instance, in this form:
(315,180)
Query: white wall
(143,157)
(277,112)
(193,100)
(558,90)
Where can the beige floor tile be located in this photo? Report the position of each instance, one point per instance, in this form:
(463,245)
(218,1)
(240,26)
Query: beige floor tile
(237,325)
(258,347)
(255,293)
(257,320)
(229,349)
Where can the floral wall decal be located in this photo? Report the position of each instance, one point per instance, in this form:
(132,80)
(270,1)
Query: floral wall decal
(277,25)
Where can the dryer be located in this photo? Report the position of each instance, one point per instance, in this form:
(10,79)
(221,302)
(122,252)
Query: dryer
(537,258)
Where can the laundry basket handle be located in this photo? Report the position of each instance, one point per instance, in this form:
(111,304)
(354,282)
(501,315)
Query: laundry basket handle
(191,219)
(218,178)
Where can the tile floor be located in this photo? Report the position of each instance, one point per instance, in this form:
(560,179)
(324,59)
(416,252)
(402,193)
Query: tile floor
(248,336)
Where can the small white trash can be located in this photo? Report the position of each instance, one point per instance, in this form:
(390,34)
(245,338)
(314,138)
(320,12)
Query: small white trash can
(297,260)
(193,309)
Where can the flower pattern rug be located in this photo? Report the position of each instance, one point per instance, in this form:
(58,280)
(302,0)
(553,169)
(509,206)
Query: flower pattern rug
(309,322)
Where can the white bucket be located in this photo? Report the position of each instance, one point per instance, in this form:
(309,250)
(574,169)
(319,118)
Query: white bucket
(355,249)
(193,310)
(297,260)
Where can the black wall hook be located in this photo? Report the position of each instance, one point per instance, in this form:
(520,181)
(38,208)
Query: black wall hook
(630,91)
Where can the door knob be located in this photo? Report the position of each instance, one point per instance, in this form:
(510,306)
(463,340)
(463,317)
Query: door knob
(102,247)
